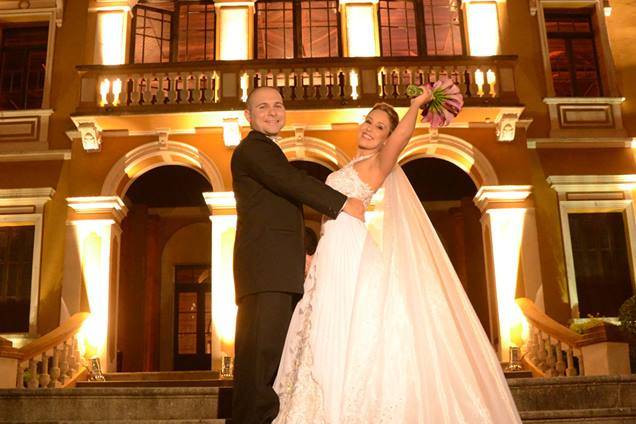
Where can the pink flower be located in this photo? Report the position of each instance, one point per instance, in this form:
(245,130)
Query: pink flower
(446,104)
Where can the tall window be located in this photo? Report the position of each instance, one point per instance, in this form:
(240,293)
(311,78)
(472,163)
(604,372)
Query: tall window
(601,263)
(274,29)
(440,33)
(155,27)
(398,32)
(22,67)
(319,22)
(16,263)
(573,58)
(443,28)
(297,28)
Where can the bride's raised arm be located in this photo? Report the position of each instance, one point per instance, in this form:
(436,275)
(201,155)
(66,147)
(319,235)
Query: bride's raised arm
(400,137)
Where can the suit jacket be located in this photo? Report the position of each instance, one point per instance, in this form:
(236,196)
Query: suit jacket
(269,247)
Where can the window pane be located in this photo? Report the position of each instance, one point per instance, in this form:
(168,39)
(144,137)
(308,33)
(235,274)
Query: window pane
(274,30)
(442,28)
(397,28)
(319,23)
(601,263)
(572,54)
(22,67)
(16,261)
(152,34)
(196,32)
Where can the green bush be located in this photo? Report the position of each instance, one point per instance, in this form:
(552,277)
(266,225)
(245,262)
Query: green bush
(627,315)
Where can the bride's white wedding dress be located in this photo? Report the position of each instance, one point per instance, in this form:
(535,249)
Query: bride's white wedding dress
(384,332)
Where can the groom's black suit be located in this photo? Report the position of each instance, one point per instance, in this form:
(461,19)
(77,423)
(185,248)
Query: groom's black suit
(269,263)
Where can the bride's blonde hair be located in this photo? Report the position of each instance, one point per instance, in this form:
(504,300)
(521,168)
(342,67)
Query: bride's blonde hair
(394,119)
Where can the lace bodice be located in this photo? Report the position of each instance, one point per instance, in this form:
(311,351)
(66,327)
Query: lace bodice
(347,181)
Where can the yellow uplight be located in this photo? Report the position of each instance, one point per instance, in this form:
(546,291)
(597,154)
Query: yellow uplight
(111,37)
(507,235)
(93,242)
(361,21)
(483,28)
(223,301)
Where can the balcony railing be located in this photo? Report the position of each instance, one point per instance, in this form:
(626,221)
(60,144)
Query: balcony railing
(306,83)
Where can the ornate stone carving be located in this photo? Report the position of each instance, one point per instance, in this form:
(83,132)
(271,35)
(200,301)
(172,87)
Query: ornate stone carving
(533,7)
(507,126)
(91,136)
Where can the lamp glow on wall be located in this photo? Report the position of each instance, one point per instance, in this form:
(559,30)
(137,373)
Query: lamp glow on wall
(234,30)
(222,206)
(506,226)
(110,42)
(361,30)
(93,242)
(483,27)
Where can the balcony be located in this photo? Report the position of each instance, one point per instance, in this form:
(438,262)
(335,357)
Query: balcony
(109,93)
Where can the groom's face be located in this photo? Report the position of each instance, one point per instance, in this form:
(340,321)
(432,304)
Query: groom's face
(265,111)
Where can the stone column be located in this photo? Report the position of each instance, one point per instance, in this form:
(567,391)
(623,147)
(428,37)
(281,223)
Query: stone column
(92,271)
(508,227)
(223,216)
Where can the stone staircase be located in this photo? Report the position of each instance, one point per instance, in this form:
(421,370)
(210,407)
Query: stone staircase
(202,398)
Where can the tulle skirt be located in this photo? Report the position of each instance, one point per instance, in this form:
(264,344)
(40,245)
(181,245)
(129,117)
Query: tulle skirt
(360,349)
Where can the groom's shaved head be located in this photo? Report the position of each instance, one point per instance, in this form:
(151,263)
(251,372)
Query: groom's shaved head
(257,93)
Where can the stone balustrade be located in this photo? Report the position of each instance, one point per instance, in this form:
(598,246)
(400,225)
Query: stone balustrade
(338,82)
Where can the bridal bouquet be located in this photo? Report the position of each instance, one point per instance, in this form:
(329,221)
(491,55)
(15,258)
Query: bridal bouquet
(446,104)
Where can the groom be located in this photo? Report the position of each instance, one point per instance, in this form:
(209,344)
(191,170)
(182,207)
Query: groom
(268,252)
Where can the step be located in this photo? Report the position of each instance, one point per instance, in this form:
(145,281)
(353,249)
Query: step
(163,375)
(110,404)
(568,393)
(156,383)
(579,416)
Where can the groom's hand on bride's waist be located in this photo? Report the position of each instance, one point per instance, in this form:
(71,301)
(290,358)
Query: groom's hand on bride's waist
(355,208)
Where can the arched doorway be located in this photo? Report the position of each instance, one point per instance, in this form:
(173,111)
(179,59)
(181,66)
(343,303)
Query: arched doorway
(447,193)
(164,288)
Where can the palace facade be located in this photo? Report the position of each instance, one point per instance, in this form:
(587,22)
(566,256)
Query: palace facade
(118,119)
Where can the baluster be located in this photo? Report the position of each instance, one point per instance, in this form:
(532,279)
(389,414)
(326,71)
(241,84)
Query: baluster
(560,365)
(160,94)
(319,84)
(571,369)
(491,79)
(541,354)
(33,374)
(196,91)
(485,89)
(551,360)
(395,82)
(342,84)
(135,94)
(305,83)
(348,85)
(329,82)
(19,381)
(215,87)
(147,92)
(45,378)
(55,368)
(581,363)
(63,363)
(74,356)
(173,90)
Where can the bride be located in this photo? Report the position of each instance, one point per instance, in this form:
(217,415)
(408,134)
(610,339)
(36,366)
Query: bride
(384,332)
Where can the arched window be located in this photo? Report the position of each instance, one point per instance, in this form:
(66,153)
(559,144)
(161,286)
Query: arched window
(155,25)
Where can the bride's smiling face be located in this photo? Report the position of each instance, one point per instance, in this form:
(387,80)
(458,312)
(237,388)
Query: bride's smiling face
(374,131)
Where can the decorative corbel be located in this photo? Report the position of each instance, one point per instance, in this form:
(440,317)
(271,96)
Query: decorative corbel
(534,7)
(91,136)
(507,126)
(59,12)
(299,133)
(163,134)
